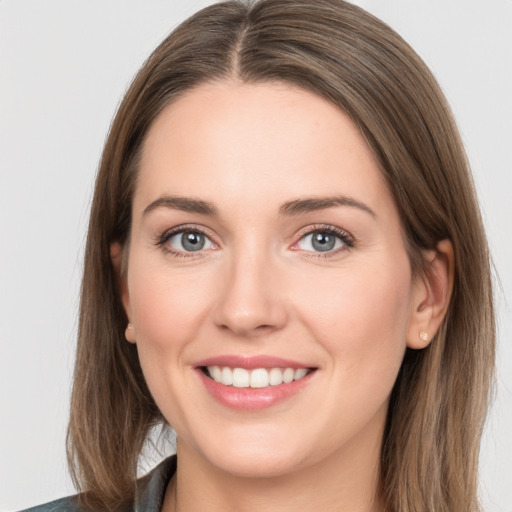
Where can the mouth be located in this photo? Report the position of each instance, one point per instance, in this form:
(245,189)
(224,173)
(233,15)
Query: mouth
(254,378)
(253,383)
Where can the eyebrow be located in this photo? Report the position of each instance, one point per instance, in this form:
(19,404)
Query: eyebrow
(311,204)
(290,208)
(185,204)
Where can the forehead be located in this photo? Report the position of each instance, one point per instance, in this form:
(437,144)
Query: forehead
(267,140)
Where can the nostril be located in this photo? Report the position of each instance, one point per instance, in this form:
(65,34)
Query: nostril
(247,329)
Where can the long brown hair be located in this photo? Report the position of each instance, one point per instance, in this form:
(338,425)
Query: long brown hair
(430,450)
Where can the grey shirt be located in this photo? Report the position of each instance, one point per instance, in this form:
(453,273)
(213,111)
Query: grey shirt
(149,495)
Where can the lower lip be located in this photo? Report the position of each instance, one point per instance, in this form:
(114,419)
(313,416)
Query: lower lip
(253,399)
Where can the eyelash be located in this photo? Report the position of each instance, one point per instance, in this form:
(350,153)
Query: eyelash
(187,228)
(345,237)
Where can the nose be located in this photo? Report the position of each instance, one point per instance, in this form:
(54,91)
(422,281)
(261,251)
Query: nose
(251,300)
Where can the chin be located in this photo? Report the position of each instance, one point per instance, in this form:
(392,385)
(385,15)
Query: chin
(258,454)
(258,464)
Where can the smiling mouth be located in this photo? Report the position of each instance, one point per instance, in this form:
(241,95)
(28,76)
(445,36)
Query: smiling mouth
(255,378)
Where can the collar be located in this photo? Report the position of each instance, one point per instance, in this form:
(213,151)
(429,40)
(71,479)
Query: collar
(152,487)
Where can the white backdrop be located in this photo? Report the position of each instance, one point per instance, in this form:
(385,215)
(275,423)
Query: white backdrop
(63,68)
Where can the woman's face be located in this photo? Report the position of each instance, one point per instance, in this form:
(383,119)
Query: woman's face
(265,246)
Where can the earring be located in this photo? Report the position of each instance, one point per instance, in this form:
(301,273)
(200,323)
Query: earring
(129,333)
(423,336)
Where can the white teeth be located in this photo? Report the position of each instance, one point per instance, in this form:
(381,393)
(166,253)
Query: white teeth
(216,373)
(275,377)
(288,375)
(258,378)
(299,373)
(227,376)
(240,378)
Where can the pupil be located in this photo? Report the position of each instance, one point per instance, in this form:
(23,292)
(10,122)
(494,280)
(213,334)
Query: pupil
(323,242)
(192,241)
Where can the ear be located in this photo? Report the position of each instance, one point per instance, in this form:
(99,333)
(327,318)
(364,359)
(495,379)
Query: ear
(116,257)
(431,295)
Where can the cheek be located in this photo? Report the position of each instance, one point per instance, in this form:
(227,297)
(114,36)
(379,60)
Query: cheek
(360,316)
(167,310)
(166,306)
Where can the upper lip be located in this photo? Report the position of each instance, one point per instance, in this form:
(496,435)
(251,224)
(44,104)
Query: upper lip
(251,362)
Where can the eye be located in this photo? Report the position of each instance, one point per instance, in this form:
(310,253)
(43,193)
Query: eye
(187,240)
(324,240)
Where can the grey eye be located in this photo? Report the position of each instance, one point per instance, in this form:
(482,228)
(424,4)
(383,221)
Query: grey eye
(320,241)
(190,241)
(323,241)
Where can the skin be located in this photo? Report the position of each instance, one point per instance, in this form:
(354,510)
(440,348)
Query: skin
(259,287)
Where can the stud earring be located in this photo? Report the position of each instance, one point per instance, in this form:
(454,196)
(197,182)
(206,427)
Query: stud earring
(129,333)
(423,336)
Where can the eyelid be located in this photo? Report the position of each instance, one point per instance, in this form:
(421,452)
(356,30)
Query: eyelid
(347,239)
(183,228)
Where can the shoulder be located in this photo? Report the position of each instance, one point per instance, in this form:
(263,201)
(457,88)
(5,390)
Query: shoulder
(150,493)
(64,504)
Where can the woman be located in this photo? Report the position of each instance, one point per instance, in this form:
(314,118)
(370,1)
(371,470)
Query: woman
(286,263)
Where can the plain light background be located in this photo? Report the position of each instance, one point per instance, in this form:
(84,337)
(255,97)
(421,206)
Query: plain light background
(64,66)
